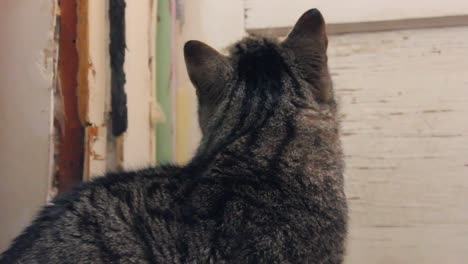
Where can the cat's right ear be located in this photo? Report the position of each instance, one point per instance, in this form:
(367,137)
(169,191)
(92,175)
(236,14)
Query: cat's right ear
(207,68)
(309,34)
(308,41)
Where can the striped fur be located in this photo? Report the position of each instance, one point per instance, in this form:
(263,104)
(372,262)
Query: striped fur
(265,185)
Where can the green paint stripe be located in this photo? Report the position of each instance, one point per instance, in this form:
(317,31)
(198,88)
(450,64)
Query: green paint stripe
(164,146)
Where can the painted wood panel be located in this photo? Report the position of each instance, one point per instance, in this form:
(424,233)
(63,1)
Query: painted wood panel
(94,56)
(139,139)
(69,130)
(164,79)
(263,14)
(404,101)
(28,66)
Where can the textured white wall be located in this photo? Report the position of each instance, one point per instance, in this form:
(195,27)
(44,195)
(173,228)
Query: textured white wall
(281,13)
(26,83)
(404,100)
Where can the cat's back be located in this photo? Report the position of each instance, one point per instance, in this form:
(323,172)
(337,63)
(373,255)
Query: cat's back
(106,220)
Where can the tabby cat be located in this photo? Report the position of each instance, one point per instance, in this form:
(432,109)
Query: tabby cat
(265,186)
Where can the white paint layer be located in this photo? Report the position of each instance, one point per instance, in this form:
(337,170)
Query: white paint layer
(261,14)
(99,88)
(219,24)
(140,84)
(26,83)
(404,98)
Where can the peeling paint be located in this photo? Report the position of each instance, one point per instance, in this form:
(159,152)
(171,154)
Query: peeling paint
(95,151)
(55,130)
(93,133)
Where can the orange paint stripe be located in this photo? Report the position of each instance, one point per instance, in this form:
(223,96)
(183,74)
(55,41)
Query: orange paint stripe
(71,145)
(82,44)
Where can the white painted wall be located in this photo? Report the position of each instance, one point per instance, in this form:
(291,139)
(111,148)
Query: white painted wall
(26,83)
(404,100)
(219,24)
(281,13)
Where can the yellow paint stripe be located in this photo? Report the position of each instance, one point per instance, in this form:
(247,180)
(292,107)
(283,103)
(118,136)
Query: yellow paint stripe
(184,119)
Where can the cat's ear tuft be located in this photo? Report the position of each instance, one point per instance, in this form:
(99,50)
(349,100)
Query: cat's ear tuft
(206,67)
(309,32)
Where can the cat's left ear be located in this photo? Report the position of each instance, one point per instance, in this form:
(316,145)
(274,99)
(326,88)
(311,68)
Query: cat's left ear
(207,68)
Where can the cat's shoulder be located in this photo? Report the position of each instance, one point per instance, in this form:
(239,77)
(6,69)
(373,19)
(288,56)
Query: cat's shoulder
(110,183)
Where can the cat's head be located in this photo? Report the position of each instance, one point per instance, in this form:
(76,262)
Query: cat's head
(261,76)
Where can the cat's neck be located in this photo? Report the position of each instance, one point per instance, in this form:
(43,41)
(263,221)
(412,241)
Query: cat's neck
(294,144)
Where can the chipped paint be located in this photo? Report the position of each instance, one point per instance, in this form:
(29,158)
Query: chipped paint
(93,136)
(56,105)
(95,151)
(93,83)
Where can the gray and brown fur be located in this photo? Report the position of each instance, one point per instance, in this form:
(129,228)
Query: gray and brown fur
(265,186)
